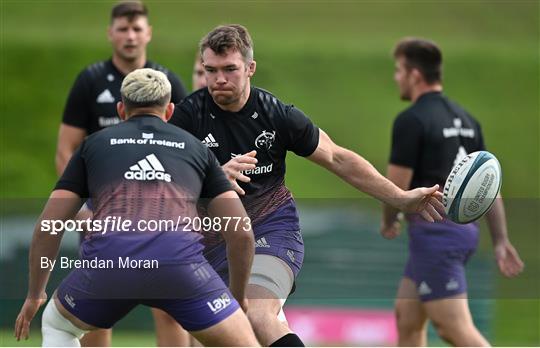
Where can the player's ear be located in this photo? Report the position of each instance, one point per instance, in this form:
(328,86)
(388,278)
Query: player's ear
(169,111)
(109,33)
(121,109)
(149,33)
(251,68)
(417,76)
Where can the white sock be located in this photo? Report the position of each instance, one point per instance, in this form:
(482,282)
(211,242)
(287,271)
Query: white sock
(57,331)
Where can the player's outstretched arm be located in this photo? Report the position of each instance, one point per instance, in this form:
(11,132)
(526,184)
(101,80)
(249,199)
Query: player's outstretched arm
(62,205)
(402,177)
(237,232)
(359,173)
(507,257)
(69,139)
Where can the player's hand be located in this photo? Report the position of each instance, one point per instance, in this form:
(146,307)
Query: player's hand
(391,230)
(234,168)
(426,201)
(28,311)
(508,259)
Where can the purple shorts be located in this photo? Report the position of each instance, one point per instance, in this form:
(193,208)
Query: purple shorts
(277,235)
(438,253)
(438,274)
(193,294)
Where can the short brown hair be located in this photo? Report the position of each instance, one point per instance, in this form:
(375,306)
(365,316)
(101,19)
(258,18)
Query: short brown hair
(423,55)
(129,9)
(225,37)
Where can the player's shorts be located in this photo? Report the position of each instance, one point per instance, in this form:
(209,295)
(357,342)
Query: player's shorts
(438,253)
(193,294)
(277,235)
(438,274)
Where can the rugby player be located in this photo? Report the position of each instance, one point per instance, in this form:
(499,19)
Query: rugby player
(91,106)
(141,170)
(250,131)
(428,139)
(197,77)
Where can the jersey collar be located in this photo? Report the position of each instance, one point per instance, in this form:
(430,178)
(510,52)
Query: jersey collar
(247,110)
(119,73)
(429,95)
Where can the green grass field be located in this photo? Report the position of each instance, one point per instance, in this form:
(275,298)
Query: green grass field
(120,339)
(332,60)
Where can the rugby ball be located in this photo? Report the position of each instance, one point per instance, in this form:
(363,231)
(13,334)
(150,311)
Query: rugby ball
(471,187)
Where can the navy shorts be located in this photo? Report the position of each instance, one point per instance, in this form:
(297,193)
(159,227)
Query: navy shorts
(193,294)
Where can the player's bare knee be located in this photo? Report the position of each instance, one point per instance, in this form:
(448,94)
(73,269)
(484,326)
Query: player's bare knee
(407,323)
(260,317)
(449,330)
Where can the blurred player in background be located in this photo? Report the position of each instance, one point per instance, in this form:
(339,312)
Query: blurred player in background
(91,106)
(251,131)
(428,139)
(197,77)
(171,174)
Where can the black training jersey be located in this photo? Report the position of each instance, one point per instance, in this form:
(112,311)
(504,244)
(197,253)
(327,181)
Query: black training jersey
(143,168)
(91,104)
(431,136)
(264,124)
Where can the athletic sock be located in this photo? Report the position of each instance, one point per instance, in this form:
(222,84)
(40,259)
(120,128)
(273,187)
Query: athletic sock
(289,340)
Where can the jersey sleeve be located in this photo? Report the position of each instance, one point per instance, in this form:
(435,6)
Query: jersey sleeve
(74,178)
(301,135)
(215,181)
(407,136)
(178,90)
(183,117)
(77,108)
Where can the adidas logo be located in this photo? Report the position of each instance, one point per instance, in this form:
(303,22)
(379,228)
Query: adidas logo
(452,285)
(148,169)
(210,141)
(105,97)
(261,243)
(290,254)
(424,289)
(70,301)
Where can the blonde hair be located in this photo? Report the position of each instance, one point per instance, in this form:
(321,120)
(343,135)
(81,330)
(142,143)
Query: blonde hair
(145,88)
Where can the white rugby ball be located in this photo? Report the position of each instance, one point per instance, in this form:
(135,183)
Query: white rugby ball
(471,187)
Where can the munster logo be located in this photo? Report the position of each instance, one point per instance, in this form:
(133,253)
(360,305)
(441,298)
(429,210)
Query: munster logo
(265,140)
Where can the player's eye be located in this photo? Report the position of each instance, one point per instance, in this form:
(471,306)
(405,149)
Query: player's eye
(230,69)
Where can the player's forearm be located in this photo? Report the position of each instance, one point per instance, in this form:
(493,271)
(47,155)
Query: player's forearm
(61,160)
(496,220)
(43,251)
(62,205)
(240,251)
(361,174)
